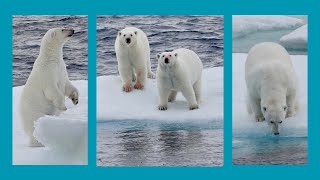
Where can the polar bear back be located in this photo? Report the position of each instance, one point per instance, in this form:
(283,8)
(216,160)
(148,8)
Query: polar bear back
(269,64)
(191,63)
(268,52)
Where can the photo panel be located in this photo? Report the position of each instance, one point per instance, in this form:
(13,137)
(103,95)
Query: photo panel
(49,93)
(160,90)
(269,89)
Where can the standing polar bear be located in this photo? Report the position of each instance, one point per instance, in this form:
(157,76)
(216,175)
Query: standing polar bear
(179,70)
(271,84)
(48,84)
(133,56)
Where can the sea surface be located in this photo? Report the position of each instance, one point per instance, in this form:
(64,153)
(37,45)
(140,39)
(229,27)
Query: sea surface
(27,34)
(137,142)
(156,143)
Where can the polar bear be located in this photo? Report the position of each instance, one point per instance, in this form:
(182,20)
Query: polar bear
(271,84)
(133,56)
(179,70)
(48,84)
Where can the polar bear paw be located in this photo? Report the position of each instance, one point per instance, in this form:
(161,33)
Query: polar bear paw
(193,107)
(162,107)
(127,87)
(259,118)
(74,96)
(138,85)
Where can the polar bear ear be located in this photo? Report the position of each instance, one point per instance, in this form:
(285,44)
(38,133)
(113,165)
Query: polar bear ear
(53,34)
(176,54)
(136,32)
(119,33)
(158,55)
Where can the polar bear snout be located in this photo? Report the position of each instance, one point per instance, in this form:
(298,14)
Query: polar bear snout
(128,40)
(69,32)
(166,60)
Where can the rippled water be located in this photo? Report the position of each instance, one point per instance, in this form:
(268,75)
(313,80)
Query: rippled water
(272,150)
(156,143)
(27,34)
(202,34)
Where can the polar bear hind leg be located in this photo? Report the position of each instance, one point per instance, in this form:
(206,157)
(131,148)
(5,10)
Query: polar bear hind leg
(189,94)
(197,90)
(151,75)
(172,96)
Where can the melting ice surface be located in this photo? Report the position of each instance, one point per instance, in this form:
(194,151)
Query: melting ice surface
(131,131)
(289,31)
(253,142)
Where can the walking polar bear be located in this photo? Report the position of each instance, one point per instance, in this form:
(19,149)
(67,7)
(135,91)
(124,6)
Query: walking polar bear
(179,70)
(48,84)
(271,83)
(133,56)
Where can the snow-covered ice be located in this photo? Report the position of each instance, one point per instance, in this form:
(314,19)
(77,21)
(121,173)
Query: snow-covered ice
(246,24)
(298,39)
(65,136)
(244,125)
(114,104)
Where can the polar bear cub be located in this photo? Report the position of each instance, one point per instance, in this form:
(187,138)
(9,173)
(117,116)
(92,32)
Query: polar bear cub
(48,84)
(271,84)
(179,70)
(133,56)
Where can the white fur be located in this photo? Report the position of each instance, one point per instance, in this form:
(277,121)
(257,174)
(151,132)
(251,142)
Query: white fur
(271,83)
(182,73)
(133,58)
(48,84)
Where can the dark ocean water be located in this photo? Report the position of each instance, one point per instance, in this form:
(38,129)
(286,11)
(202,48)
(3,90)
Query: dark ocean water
(202,34)
(157,143)
(27,34)
(270,150)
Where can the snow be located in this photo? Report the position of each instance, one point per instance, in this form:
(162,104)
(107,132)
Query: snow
(244,125)
(298,39)
(245,24)
(114,104)
(65,136)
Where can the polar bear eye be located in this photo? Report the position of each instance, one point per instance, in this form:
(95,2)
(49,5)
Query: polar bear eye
(124,35)
(280,122)
(285,108)
(62,30)
(162,55)
(170,55)
(264,109)
(271,122)
(130,34)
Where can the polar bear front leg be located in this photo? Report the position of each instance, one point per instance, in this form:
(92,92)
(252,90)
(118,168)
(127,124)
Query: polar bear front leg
(163,98)
(256,108)
(141,78)
(126,73)
(292,105)
(72,93)
(189,94)
(53,94)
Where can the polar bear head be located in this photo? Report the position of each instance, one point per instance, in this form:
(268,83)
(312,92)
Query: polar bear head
(274,112)
(167,59)
(128,37)
(56,37)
